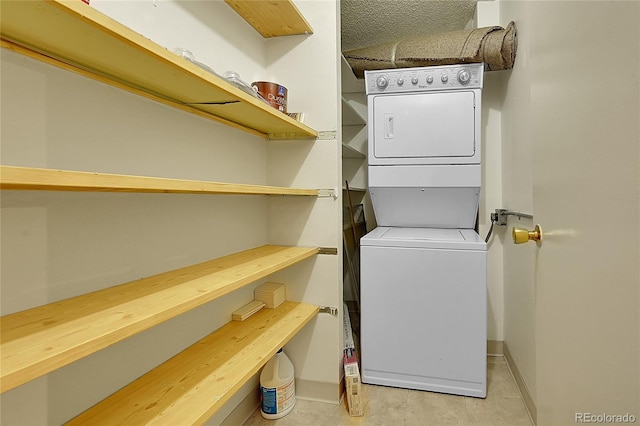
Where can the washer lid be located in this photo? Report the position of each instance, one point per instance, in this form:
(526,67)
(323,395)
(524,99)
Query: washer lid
(434,238)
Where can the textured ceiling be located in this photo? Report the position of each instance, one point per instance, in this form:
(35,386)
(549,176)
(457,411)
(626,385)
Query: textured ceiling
(372,22)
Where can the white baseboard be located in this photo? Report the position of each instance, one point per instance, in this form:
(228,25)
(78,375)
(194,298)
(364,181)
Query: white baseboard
(495,348)
(332,393)
(305,390)
(522,386)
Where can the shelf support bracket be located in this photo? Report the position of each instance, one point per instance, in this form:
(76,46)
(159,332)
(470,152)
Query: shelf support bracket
(328,310)
(328,193)
(328,250)
(327,135)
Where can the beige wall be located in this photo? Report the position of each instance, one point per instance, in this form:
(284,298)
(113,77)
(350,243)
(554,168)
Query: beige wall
(586,172)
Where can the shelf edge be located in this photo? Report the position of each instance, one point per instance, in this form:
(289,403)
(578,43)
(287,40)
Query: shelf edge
(194,384)
(263,15)
(29,178)
(40,340)
(89,18)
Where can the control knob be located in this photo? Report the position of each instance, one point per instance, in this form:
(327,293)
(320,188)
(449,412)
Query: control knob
(400,81)
(414,80)
(444,78)
(382,81)
(464,76)
(429,79)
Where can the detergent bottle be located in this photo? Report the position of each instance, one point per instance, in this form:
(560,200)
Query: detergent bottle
(277,387)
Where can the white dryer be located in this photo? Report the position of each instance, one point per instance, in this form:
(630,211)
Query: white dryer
(424,152)
(423,270)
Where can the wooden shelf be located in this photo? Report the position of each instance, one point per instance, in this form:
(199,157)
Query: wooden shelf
(354,109)
(350,84)
(76,37)
(354,142)
(356,189)
(190,387)
(351,116)
(28,178)
(350,152)
(39,340)
(272,18)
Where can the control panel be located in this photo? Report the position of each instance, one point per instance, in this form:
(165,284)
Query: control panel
(444,77)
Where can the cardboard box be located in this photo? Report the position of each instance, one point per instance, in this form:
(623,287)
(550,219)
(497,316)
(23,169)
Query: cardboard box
(352,383)
(347,332)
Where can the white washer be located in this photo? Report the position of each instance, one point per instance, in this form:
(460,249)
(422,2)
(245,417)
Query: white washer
(423,309)
(424,269)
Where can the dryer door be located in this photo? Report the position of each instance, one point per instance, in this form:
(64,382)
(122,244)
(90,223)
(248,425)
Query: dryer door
(425,128)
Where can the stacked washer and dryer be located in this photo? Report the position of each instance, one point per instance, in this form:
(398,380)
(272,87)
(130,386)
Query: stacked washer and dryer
(424,268)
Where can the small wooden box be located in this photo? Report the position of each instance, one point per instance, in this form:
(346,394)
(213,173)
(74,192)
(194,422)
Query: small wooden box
(353,384)
(272,294)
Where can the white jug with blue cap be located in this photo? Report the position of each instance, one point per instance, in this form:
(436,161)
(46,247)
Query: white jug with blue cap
(277,387)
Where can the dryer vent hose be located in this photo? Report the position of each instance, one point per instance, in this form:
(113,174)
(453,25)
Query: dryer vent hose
(486,240)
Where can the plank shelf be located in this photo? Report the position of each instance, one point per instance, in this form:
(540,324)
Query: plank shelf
(29,178)
(191,386)
(350,152)
(272,18)
(37,341)
(353,113)
(354,189)
(75,36)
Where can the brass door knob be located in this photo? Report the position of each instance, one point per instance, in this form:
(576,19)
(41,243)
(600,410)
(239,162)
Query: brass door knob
(521,235)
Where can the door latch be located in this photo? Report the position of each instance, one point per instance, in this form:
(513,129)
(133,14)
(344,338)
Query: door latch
(521,235)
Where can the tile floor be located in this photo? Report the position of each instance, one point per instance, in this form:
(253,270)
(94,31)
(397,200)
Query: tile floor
(402,407)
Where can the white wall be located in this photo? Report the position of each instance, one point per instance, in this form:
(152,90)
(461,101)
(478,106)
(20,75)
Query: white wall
(56,245)
(215,34)
(491,196)
(311,64)
(519,289)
